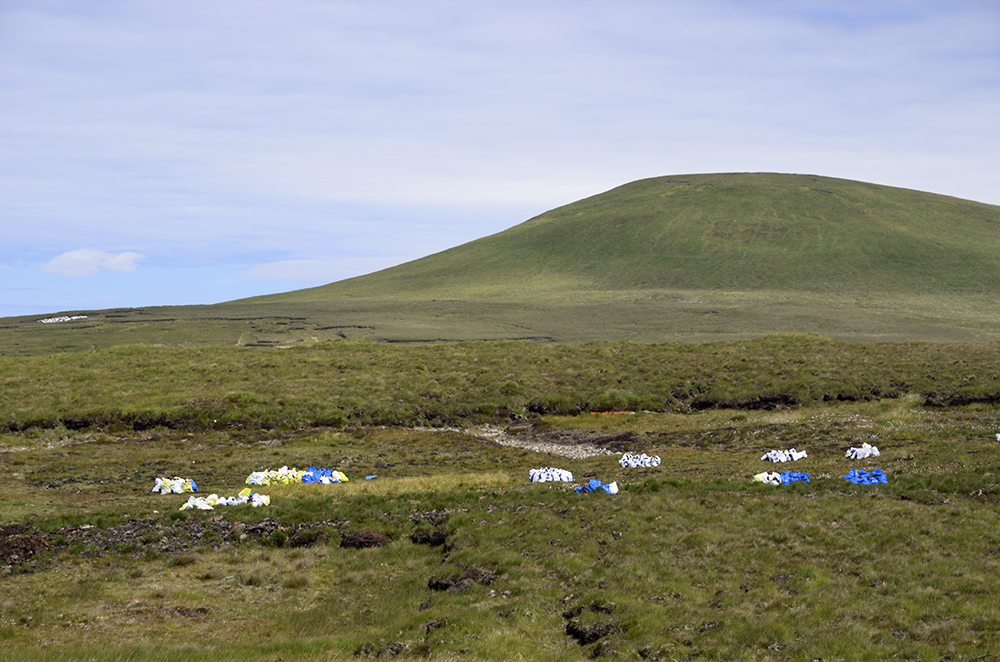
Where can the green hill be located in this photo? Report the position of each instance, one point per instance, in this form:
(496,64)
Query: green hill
(770,232)
(690,257)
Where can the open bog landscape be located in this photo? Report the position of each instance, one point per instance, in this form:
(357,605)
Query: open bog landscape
(450,552)
(703,320)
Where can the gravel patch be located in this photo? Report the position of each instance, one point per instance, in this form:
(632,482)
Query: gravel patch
(577,446)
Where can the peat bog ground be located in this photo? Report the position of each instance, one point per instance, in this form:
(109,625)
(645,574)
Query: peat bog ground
(450,553)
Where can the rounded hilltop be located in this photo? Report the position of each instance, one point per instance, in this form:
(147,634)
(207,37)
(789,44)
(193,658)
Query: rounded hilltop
(732,232)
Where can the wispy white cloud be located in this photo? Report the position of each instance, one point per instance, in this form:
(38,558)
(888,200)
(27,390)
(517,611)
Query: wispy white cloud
(87,262)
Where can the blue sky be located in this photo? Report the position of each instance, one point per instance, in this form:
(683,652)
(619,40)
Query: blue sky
(161,152)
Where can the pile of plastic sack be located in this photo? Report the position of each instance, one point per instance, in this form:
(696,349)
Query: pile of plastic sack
(286,476)
(323,476)
(859,477)
(174,485)
(772,478)
(866,451)
(212,500)
(594,485)
(632,461)
(791,455)
(784,478)
(549,474)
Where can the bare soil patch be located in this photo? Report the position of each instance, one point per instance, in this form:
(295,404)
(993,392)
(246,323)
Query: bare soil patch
(574,444)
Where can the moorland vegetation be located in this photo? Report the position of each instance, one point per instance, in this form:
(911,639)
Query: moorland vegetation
(439,547)
(450,553)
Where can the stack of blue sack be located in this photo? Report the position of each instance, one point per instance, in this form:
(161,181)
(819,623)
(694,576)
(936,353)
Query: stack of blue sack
(784,478)
(594,485)
(793,476)
(861,477)
(324,476)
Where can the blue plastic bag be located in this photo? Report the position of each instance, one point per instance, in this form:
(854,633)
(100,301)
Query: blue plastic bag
(793,476)
(594,485)
(862,477)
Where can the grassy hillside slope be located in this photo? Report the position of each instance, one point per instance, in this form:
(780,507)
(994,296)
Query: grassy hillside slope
(773,232)
(688,258)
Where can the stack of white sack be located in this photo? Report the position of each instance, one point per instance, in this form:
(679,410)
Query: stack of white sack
(866,450)
(323,476)
(631,461)
(174,485)
(773,478)
(284,475)
(213,500)
(791,455)
(548,474)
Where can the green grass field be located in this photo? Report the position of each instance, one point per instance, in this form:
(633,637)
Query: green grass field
(689,559)
(647,317)
(367,383)
(469,559)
